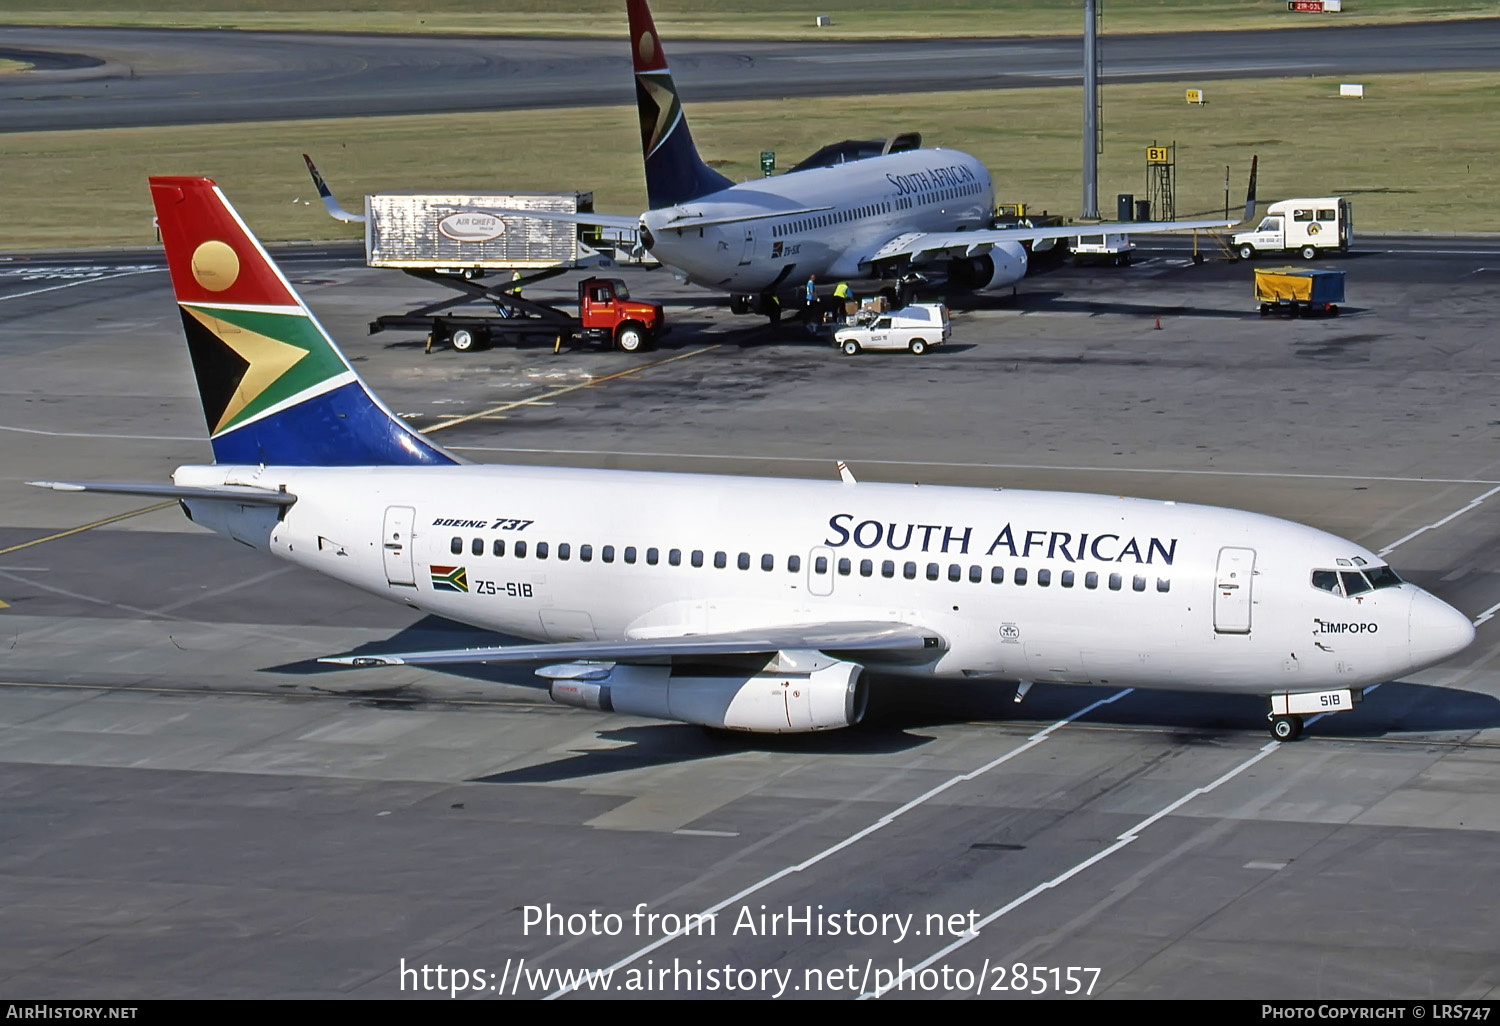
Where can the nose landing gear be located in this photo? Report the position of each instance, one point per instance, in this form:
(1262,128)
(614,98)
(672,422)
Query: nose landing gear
(1286,727)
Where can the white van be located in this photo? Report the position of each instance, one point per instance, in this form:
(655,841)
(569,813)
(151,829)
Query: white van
(915,328)
(1308,226)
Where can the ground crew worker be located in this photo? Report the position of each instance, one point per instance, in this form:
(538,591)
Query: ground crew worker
(841,297)
(812,291)
(515,276)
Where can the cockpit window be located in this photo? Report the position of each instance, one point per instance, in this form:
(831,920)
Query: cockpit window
(1327,580)
(1383,577)
(1354,582)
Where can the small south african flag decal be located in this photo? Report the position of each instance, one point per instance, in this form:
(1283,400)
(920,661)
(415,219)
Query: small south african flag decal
(450,578)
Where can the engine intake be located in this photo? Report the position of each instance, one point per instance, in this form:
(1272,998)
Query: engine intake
(1004,264)
(773,703)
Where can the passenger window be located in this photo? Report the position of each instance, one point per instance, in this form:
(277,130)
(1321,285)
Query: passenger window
(955,572)
(976,574)
(564,550)
(697,557)
(1020,575)
(1138,583)
(1067,578)
(607,553)
(675,557)
(585,553)
(499,547)
(1383,577)
(541,550)
(1163,584)
(794,563)
(909,571)
(1326,580)
(932,571)
(1043,578)
(477,546)
(456,546)
(1354,582)
(820,565)
(844,567)
(997,575)
(630,553)
(1115,580)
(520,550)
(720,560)
(768,562)
(1091,580)
(652,555)
(744,561)
(866,567)
(888,568)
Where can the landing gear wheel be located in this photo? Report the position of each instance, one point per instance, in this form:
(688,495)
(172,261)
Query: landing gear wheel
(918,346)
(630,340)
(850,348)
(463,340)
(1286,728)
(739,304)
(773,311)
(1308,252)
(1247,252)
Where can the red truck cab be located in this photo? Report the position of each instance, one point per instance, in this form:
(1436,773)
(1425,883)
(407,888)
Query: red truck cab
(606,311)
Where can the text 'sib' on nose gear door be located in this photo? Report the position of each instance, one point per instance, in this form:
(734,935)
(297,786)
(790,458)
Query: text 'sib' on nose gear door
(1232,590)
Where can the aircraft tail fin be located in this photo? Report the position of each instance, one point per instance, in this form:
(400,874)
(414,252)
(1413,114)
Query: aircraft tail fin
(275,388)
(330,204)
(674,171)
(1250,191)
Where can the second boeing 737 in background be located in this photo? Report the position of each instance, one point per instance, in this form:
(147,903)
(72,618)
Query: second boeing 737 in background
(857,211)
(749,603)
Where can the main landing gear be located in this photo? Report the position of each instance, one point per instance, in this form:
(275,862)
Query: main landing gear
(1287,727)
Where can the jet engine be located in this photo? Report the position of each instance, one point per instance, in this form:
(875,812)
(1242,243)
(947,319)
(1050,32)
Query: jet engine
(1004,264)
(826,698)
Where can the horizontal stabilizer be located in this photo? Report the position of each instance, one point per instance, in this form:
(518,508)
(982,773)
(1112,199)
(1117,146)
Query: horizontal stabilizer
(599,220)
(887,642)
(229,493)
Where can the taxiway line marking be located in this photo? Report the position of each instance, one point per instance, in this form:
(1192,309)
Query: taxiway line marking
(1473,504)
(102,434)
(1124,839)
(879,824)
(536,400)
(81,281)
(89,527)
(1488,614)
(763,457)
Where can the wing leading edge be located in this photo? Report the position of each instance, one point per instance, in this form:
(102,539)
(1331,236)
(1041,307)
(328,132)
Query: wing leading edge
(972,243)
(888,642)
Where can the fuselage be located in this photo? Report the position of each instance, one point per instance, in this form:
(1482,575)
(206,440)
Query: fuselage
(824,221)
(1021,585)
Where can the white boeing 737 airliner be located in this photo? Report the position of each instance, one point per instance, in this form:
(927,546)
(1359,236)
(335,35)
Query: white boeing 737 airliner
(838,215)
(749,603)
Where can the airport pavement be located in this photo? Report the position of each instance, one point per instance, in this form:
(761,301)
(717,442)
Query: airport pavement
(102,77)
(193,809)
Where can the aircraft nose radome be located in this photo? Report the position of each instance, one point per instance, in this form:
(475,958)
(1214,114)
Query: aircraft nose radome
(1437,630)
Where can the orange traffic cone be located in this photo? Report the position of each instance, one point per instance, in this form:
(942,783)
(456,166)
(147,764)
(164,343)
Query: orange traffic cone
(1158,324)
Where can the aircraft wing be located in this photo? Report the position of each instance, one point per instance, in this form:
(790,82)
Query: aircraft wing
(335,211)
(599,220)
(893,642)
(233,493)
(973,243)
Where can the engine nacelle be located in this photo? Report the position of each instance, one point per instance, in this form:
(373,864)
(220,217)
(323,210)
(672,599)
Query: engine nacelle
(1004,264)
(773,703)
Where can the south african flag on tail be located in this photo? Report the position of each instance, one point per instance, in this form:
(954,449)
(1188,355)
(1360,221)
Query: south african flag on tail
(450,578)
(275,388)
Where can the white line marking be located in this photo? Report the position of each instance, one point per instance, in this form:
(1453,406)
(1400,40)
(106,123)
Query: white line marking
(1120,842)
(763,457)
(1438,523)
(84,281)
(91,434)
(1487,614)
(879,824)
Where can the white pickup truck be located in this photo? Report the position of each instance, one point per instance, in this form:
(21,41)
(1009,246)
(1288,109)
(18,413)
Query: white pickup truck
(915,328)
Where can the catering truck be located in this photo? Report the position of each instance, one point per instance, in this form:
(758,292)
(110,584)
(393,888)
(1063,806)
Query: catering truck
(1304,226)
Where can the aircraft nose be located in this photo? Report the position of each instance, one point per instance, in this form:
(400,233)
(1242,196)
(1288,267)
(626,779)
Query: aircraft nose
(1436,630)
